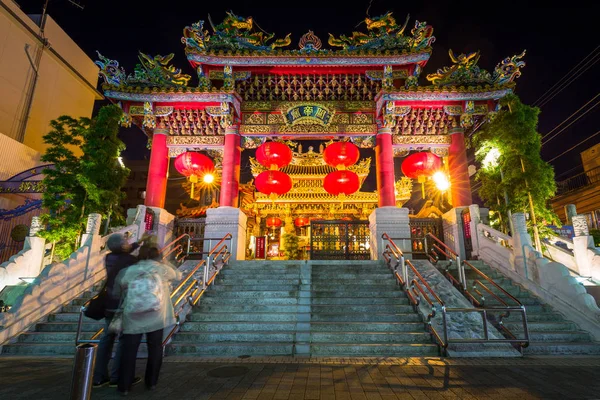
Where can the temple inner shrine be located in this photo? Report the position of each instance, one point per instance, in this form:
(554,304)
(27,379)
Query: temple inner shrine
(363,94)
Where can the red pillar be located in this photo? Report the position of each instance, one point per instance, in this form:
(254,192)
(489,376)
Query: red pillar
(230,179)
(459,170)
(158,171)
(384,159)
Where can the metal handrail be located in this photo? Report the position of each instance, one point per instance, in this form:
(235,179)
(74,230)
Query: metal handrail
(222,251)
(173,242)
(416,292)
(452,255)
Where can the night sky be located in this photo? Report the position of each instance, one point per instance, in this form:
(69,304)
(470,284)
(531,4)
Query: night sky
(556,34)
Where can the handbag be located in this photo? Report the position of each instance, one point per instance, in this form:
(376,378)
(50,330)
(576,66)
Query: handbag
(96,308)
(116,324)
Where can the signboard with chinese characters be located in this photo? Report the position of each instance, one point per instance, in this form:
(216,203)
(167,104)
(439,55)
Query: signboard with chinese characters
(261,247)
(565,231)
(308,114)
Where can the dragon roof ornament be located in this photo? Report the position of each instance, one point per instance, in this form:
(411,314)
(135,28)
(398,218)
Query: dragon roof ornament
(151,72)
(383,33)
(234,33)
(465,71)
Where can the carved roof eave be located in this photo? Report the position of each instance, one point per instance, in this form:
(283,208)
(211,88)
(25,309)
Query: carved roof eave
(330,59)
(444,93)
(159,95)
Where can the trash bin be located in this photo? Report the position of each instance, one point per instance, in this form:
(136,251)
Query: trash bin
(83,371)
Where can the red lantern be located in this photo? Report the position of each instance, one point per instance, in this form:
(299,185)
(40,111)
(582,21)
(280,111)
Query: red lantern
(273,183)
(420,166)
(273,222)
(341,154)
(301,221)
(193,165)
(274,155)
(341,183)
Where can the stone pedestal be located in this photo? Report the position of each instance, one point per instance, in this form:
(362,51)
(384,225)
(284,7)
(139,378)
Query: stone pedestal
(581,243)
(453,235)
(164,223)
(393,221)
(223,220)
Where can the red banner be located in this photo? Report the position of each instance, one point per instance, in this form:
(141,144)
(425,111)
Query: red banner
(261,247)
(149,220)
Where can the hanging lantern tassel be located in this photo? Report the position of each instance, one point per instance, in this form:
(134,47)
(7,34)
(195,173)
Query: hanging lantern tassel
(341,198)
(193,180)
(421,179)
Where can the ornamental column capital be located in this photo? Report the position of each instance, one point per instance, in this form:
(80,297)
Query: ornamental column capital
(384,130)
(160,131)
(457,129)
(232,130)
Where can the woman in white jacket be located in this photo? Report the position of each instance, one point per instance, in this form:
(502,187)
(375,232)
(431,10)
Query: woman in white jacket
(147,309)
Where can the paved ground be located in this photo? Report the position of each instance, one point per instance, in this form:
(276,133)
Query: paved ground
(327,379)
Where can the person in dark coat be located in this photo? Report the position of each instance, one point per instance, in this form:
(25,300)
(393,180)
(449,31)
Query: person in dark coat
(118,259)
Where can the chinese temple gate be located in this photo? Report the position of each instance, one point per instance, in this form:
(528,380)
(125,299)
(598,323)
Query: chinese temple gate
(251,88)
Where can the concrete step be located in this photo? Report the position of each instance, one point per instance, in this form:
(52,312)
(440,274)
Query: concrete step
(388,349)
(234,337)
(218,308)
(68,326)
(547,316)
(369,317)
(250,317)
(236,274)
(239,283)
(558,336)
(336,282)
(542,326)
(225,288)
(249,301)
(344,292)
(370,337)
(562,348)
(70,317)
(231,349)
(40,349)
(360,300)
(369,326)
(53,337)
(353,286)
(244,326)
(250,294)
(361,308)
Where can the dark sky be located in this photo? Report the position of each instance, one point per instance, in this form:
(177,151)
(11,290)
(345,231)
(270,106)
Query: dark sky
(556,34)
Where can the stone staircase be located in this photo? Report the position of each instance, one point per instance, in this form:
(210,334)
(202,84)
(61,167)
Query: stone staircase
(250,310)
(550,332)
(56,335)
(357,310)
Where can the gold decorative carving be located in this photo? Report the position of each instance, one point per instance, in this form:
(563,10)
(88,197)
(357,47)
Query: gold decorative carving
(440,151)
(422,139)
(453,110)
(275,119)
(341,119)
(162,111)
(481,109)
(362,118)
(257,106)
(361,128)
(257,128)
(195,140)
(254,119)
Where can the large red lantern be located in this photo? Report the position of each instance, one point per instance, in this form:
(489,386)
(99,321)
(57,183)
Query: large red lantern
(274,155)
(273,222)
(301,221)
(193,165)
(341,154)
(341,183)
(421,166)
(273,183)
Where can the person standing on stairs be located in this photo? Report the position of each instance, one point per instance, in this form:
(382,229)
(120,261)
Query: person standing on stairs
(147,309)
(118,259)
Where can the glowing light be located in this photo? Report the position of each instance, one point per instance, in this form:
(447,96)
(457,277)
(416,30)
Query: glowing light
(208,178)
(491,158)
(441,181)
(121,162)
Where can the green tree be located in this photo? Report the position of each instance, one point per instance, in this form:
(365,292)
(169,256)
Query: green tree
(509,147)
(63,194)
(101,174)
(290,244)
(78,186)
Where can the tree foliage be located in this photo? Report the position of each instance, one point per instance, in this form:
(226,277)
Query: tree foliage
(290,244)
(513,132)
(78,186)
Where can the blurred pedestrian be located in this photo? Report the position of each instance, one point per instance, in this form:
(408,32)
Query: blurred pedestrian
(147,309)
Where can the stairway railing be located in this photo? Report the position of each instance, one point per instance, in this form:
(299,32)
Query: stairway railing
(192,287)
(415,292)
(441,247)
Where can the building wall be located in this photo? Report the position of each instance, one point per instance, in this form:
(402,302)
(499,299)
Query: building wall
(66,81)
(16,158)
(590,158)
